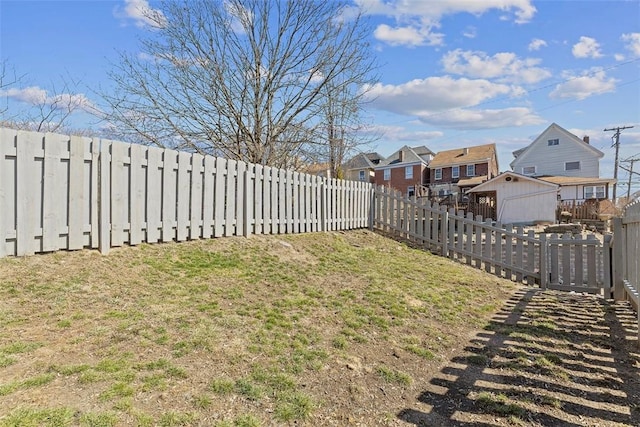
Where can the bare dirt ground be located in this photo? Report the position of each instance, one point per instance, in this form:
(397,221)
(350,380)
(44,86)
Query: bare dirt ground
(546,359)
(331,329)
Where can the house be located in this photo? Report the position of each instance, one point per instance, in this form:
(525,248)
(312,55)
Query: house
(406,170)
(319,169)
(558,152)
(361,167)
(581,188)
(560,157)
(453,171)
(516,198)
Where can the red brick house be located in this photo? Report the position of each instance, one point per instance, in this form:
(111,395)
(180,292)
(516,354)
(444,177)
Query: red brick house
(460,169)
(405,170)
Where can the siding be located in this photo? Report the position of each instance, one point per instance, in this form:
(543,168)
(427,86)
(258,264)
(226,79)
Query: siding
(523,200)
(550,160)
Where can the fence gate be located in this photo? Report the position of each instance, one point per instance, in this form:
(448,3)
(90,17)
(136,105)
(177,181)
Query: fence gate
(579,264)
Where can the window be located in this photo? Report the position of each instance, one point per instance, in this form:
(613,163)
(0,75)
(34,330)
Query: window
(572,166)
(529,170)
(411,191)
(455,172)
(471,170)
(387,174)
(438,174)
(361,175)
(408,172)
(594,192)
(553,142)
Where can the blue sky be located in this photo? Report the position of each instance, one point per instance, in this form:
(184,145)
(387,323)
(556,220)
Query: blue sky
(452,72)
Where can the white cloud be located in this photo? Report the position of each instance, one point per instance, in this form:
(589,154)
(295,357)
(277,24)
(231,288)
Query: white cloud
(484,119)
(593,82)
(587,47)
(619,57)
(632,41)
(141,13)
(31,95)
(470,32)
(414,20)
(433,94)
(399,133)
(407,36)
(505,66)
(536,44)
(35,95)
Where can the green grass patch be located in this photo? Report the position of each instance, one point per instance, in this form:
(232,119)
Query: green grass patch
(37,381)
(499,404)
(293,406)
(393,376)
(418,350)
(106,419)
(20,347)
(175,419)
(222,386)
(41,417)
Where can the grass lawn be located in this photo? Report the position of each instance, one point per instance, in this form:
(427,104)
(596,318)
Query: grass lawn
(314,329)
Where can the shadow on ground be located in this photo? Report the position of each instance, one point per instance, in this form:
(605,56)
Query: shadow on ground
(547,359)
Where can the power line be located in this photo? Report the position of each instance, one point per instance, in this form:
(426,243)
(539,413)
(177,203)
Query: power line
(616,135)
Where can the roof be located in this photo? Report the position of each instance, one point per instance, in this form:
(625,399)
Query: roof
(315,168)
(469,182)
(363,161)
(475,154)
(523,151)
(573,180)
(515,177)
(409,155)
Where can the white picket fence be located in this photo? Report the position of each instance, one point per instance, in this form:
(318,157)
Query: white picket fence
(565,262)
(68,192)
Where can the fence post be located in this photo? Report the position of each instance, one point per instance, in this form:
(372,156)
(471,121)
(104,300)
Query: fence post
(104,191)
(372,206)
(323,204)
(444,228)
(544,274)
(617,261)
(248,200)
(606,260)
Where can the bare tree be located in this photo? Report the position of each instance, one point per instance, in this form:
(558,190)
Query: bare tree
(245,79)
(343,124)
(37,109)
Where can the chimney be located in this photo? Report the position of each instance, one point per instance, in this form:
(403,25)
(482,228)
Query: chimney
(400,156)
(586,139)
(465,151)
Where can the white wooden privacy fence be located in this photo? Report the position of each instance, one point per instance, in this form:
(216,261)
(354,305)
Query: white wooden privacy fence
(555,262)
(67,192)
(626,257)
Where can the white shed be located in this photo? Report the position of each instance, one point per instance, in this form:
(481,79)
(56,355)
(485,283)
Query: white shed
(519,198)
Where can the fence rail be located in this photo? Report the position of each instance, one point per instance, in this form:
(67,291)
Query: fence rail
(563,262)
(68,192)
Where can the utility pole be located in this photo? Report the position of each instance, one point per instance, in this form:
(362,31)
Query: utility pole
(617,145)
(631,172)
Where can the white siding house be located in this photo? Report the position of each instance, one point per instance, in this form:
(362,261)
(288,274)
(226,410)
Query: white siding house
(520,199)
(558,152)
